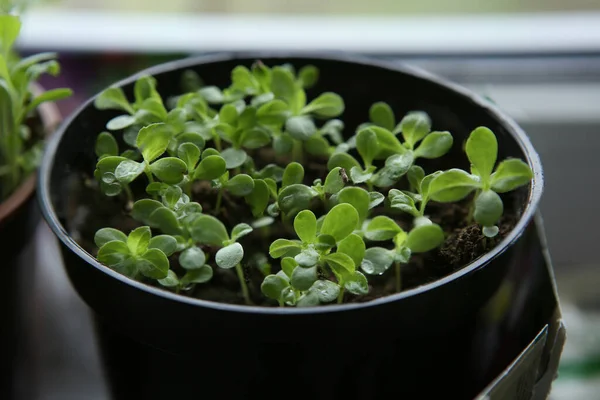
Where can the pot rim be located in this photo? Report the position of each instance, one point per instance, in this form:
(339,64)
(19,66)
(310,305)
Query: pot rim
(50,117)
(516,132)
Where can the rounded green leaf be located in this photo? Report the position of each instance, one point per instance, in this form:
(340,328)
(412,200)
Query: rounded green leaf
(388,143)
(138,240)
(128,170)
(382,228)
(435,145)
(415,175)
(327,105)
(452,185)
(381,114)
(395,167)
(169,170)
(490,231)
(274,112)
(200,275)
(295,198)
(190,154)
(358,198)
(106,235)
(170,281)
(284,247)
(113,253)
(233,157)
(283,144)
(258,199)
(288,264)
(154,264)
(357,284)
(488,208)
(375,199)
(113,98)
(367,145)
(283,85)
(207,229)
(255,138)
(424,238)
(305,225)
(327,291)
(414,126)
(377,260)
(153,140)
(307,257)
(303,278)
(210,168)
(272,286)
(334,182)
(293,174)
(300,127)
(166,220)
(240,185)
(482,150)
(340,221)
(401,201)
(192,258)
(165,243)
(240,230)
(142,209)
(359,176)
(212,94)
(343,160)
(308,75)
(510,174)
(229,256)
(324,242)
(120,122)
(309,299)
(353,246)
(193,138)
(340,263)
(228,114)
(106,145)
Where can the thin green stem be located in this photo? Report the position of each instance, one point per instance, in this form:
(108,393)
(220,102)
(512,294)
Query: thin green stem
(281,303)
(129,194)
(369,186)
(340,298)
(398,278)
(149,174)
(472,208)
(298,151)
(219,200)
(242,279)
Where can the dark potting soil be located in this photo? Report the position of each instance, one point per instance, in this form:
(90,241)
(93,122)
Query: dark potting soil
(91,210)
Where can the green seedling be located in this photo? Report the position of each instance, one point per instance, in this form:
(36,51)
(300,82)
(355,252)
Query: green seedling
(484,180)
(20,148)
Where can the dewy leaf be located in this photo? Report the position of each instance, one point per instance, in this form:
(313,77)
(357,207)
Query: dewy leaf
(128,170)
(200,275)
(303,278)
(307,257)
(353,246)
(240,185)
(284,247)
(367,145)
(358,198)
(324,242)
(259,198)
(415,175)
(210,168)
(403,202)
(190,154)
(395,167)
(295,198)
(343,160)
(113,98)
(300,127)
(165,220)
(120,122)
(341,264)
(308,75)
(424,238)
(488,208)
(381,114)
(327,105)
(106,145)
(240,230)
(106,235)
(334,182)
(169,170)
(482,150)
(192,258)
(452,185)
(229,256)
(154,264)
(293,174)
(377,260)
(142,209)
(212,94)
(165,243)
(359,176)
(207,229)
(138,240)
(233,157)
(288,264)
(113,253)
(435,145)
(414,126)
(153,140)
(305,225)
(340,221)
(375,199)
(170,281)
(283,85)
(510,174)
(272,286)
(326,290)
(382,228)
(357,284)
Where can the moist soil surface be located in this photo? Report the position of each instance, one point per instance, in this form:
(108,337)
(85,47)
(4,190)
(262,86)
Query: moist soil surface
(90,210)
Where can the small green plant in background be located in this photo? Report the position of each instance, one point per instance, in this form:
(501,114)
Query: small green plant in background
(20,148)
(256,175)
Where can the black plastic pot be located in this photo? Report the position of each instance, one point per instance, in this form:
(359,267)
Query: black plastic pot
(449,338)
(19,215)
